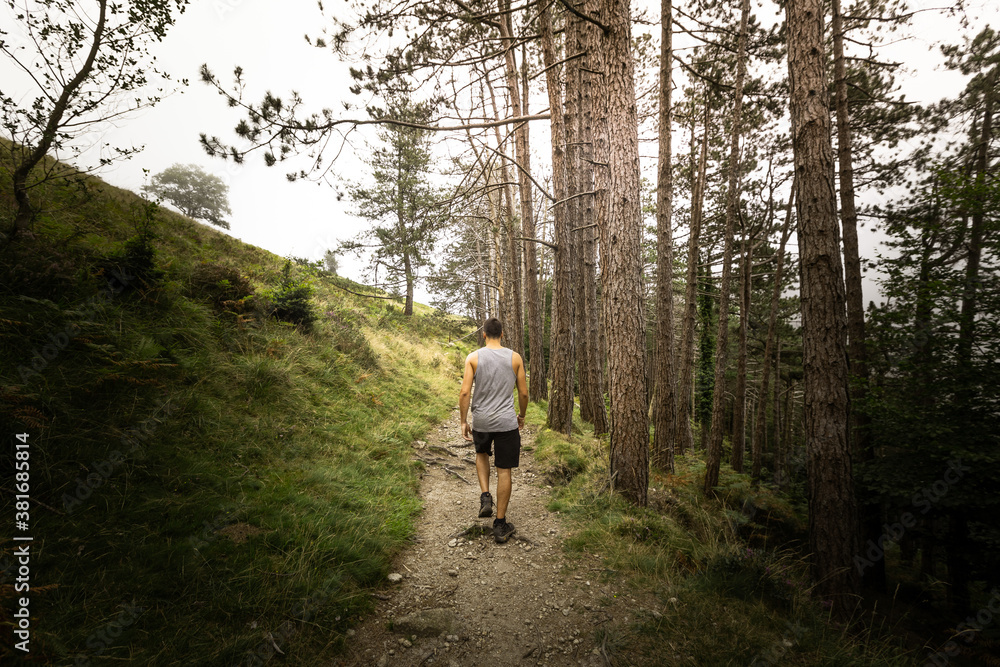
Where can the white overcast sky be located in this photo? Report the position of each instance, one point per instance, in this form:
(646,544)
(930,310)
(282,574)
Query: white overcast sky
(266,38)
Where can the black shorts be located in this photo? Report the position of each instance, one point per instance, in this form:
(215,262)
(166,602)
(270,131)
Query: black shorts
(508,446)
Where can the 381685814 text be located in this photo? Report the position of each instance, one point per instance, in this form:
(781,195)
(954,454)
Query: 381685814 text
(22,551)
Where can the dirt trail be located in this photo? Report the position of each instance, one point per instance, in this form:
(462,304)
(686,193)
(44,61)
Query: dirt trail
(465,600)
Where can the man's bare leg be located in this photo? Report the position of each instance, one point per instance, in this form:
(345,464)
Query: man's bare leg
(503,491)
(483,472)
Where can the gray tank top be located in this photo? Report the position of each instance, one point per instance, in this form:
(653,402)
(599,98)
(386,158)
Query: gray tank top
(493,397)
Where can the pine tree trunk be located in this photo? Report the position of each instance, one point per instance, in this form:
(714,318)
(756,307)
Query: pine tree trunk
(714,458)
(871,527)
(538,387)
(967,318)
(561,343)
(958,566)
(665,398)
(591,373)
(833,527)
(504,232)
(685,383)
(408,272)
(514,326)
(482,291)
(622,262)
(509,307)
(777,401)
(510,304)
(740,397)
(496,286)
(571,125)
(706,351)
(757,443)
(598,115)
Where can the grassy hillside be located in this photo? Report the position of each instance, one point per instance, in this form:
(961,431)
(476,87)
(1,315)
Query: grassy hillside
(208,484)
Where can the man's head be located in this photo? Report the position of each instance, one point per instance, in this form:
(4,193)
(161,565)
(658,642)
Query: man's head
(493,328)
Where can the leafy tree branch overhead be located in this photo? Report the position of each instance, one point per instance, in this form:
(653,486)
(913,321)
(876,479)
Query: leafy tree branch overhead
(430,45)
(282,129)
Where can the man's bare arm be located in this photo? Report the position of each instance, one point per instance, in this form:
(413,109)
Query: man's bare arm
(522,389)
(466,393)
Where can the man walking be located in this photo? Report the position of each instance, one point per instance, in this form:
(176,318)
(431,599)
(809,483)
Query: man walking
(495,370)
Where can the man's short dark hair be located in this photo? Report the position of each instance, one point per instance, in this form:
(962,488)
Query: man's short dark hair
(493,328)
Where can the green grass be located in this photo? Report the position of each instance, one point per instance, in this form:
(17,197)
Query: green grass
(248,478)
(726,593)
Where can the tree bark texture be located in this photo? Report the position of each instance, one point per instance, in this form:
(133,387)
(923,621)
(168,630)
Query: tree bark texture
(622,262)
(685,381)
(538,388)
(482,291)
(740,397)
(408,271)
(665,397)
(714,459)
(509,310)
(561,343)
(592,375)
(573,208)
(833,527)
(514,328)
(757,442)
(958,565)
(598,111)
(509,303)
(856,351)
(967,321)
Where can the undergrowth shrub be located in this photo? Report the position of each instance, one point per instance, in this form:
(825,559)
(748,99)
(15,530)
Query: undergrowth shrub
(133,267)
(291,301)
(222,285)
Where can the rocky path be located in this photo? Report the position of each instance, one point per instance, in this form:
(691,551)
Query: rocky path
(464,600)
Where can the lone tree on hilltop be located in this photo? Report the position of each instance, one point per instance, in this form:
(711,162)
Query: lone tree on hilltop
(195,192)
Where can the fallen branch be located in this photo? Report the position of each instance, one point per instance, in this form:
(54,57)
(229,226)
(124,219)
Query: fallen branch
(447,469)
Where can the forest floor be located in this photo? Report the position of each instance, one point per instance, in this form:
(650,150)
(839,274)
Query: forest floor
(465,600)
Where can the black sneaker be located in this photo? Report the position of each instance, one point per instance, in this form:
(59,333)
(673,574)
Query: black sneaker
(502,531)
(485,505)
